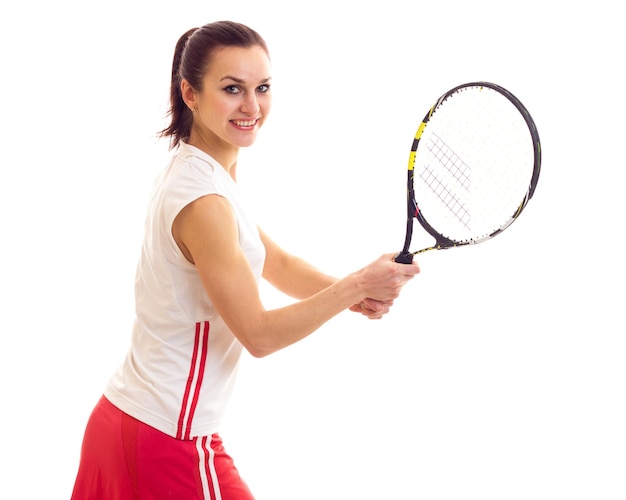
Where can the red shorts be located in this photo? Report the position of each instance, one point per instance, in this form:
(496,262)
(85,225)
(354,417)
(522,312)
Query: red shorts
(124,459)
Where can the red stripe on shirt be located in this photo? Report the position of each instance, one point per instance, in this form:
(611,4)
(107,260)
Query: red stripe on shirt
(196,394)
(199,354)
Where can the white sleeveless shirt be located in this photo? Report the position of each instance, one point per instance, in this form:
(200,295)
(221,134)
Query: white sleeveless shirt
(182,363)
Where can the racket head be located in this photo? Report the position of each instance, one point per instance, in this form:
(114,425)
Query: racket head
(474,165)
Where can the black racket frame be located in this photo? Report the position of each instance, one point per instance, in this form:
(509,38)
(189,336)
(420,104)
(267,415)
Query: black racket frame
(413,211)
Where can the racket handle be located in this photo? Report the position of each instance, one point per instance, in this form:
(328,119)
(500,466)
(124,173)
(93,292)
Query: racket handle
(404,258)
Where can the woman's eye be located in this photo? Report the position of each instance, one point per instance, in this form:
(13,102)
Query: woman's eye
(232,89)
(263,88)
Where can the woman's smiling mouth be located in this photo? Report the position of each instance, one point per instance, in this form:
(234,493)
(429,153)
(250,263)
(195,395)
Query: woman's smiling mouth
(245,123)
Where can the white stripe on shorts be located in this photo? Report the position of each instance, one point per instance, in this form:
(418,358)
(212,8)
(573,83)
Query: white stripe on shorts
(206,467)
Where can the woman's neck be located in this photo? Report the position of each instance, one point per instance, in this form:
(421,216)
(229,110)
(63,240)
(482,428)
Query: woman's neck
(225,154)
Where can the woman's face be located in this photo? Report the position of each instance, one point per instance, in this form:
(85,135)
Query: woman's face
(235,99)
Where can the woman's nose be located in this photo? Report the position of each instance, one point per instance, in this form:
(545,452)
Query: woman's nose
(250,104)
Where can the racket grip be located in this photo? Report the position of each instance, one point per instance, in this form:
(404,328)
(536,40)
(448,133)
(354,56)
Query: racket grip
(404,258)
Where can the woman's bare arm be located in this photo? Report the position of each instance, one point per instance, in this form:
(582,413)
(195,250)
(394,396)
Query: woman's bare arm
(206,231)
(291,274)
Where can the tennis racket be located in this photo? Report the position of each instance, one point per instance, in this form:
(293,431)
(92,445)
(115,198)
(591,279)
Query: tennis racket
(473,167)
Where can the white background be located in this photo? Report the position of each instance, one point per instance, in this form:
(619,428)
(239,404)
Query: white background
(499,374)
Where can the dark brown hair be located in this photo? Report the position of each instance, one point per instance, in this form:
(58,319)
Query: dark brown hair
(191,60)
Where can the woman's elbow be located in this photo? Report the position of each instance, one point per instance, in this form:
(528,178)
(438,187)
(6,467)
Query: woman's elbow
(258,350)
(257,345)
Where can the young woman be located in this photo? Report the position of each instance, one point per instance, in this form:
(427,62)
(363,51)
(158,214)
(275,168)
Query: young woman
(154,433)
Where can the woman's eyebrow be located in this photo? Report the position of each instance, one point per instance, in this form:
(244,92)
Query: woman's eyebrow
(239,80)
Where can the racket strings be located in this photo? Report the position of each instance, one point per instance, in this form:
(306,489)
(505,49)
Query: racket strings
(474,162)
(458,171)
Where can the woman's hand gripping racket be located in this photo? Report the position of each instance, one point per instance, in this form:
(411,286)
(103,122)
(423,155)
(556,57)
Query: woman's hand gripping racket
(473,167)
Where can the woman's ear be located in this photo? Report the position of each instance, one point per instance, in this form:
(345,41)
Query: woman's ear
(189,95)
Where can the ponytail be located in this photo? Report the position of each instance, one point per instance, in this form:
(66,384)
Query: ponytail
(180,115)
